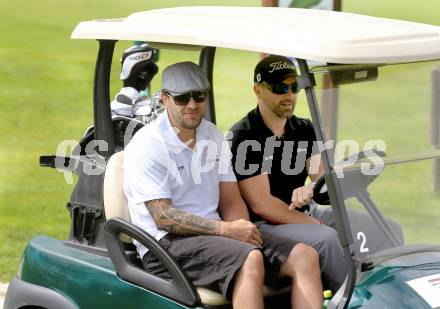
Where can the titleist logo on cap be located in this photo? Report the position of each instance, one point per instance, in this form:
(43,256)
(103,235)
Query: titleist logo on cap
(280,65)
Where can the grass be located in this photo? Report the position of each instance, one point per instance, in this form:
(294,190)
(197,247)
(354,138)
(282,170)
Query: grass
(46,92)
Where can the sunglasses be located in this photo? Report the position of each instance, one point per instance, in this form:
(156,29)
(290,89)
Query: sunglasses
(282,88)
(183,99)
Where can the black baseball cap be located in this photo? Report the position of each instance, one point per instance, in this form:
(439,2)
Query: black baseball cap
(274,69)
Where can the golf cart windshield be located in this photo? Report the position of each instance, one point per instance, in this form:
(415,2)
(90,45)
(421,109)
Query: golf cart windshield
(386,151)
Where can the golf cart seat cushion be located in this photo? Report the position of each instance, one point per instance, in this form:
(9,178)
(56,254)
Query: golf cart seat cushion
(116,206)
(212,298)
(115,201)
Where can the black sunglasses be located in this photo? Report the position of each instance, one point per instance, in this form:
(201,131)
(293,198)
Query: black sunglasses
(183,99)
(281,88)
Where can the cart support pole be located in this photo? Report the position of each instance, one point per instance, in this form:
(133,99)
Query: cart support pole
(206,62)
(435,125)
(101,99)
(270,3)
(333,185)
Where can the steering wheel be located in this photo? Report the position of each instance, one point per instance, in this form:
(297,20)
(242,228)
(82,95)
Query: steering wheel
(319,197)
(322,197)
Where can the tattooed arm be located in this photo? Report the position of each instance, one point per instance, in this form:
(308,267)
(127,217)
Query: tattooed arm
(180,222)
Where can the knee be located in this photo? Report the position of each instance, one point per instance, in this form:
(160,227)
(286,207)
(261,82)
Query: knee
(307,252)
(253,265)
(255,259)
(304,257)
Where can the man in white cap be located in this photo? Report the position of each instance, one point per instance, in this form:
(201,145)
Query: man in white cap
(181,189)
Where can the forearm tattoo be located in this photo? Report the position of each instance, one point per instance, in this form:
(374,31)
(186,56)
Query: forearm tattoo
(180,222)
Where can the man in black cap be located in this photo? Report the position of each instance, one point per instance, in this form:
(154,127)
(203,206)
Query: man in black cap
(181,189)
(272,157)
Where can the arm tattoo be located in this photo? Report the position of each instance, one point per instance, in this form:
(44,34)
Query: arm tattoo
(180,222)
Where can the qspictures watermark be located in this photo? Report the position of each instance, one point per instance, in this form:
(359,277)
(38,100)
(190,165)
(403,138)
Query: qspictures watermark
(209,155)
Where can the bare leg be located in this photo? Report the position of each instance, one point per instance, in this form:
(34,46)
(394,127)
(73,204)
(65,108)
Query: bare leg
(302,266)
(248,287)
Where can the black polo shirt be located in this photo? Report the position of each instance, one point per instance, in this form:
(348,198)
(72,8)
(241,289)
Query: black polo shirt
(257,150)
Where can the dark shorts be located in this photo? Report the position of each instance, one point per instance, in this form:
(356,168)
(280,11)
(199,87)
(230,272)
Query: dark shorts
(213,261)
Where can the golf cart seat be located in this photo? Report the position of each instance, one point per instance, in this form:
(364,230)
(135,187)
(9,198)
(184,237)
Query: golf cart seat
(116,206)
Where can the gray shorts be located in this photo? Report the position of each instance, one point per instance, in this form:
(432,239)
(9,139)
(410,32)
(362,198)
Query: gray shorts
(213,261)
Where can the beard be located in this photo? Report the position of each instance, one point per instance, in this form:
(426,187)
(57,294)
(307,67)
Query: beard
(191,124)
(180,120)
(282,111)
(188,122)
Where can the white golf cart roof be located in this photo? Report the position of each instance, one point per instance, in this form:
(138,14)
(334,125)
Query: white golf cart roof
(317,35)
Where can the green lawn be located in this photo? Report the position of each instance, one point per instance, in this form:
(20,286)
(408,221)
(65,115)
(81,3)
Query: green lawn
(46,92)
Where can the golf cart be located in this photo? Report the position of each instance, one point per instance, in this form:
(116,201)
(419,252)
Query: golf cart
(97,266)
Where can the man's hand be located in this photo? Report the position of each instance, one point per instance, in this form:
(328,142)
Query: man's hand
(242,230)
(302,196)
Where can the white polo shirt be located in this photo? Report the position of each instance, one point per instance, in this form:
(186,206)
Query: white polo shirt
(157,165)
